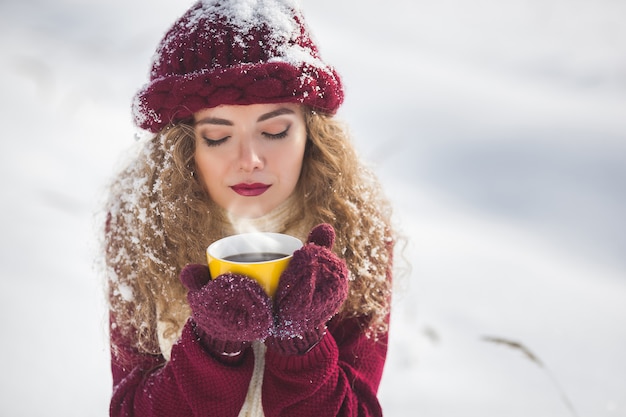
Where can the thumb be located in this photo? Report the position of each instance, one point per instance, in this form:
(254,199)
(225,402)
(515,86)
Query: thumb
(195,276)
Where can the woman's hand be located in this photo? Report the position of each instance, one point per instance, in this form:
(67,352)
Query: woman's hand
(229,312)
(311,290)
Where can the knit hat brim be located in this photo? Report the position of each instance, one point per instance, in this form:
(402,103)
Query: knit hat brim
(176,97)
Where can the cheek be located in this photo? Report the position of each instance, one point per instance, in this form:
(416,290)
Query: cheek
(207,170)
(292,163)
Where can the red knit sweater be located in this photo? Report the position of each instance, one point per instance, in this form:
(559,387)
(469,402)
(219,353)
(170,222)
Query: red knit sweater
(338,377)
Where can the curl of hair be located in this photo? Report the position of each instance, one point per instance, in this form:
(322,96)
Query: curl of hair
(161,219)
(338,189)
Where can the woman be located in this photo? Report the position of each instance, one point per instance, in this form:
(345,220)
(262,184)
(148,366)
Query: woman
(241,108)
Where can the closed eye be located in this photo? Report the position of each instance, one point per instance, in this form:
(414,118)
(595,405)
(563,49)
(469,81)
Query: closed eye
(279,135)
(215,142)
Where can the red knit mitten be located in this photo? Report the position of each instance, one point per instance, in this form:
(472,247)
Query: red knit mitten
(311,290)
(229,312)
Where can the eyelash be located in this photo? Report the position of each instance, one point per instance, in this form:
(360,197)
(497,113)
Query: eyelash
(280,135)
(270,136)
(214,142)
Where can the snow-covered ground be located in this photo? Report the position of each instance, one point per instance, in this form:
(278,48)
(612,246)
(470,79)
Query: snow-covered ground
(498,129)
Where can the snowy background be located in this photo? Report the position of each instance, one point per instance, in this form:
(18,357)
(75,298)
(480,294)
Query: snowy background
(497,126)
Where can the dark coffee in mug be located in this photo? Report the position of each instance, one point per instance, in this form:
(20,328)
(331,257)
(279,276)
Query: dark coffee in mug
(255,257)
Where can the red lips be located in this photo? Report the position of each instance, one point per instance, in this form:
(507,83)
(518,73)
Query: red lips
(250,190)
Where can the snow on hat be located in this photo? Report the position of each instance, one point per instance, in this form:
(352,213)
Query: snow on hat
(235,52)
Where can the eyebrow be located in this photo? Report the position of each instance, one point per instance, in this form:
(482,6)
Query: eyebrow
(214,121)
(263,117)
(275,113)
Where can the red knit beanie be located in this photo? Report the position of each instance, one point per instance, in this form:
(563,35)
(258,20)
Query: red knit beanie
(235,52)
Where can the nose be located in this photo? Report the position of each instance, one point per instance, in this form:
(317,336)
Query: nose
(250,158)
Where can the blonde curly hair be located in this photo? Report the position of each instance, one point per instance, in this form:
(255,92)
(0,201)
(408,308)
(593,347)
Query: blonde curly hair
(161,219)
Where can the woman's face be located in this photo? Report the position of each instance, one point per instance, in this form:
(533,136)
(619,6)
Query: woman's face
(248,158)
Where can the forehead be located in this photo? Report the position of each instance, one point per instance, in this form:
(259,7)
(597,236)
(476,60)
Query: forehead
(229,114)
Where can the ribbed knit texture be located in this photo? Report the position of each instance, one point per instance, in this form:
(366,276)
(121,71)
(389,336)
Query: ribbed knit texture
(338,377)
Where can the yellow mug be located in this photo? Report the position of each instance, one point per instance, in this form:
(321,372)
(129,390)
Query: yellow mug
(261,256)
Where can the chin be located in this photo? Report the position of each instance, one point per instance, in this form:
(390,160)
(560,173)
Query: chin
(248,212)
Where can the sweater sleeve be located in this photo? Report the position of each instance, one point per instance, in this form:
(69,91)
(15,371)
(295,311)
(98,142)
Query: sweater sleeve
(192,383)
(338,377)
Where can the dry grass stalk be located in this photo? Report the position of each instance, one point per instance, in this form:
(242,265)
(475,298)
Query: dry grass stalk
(534,358)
